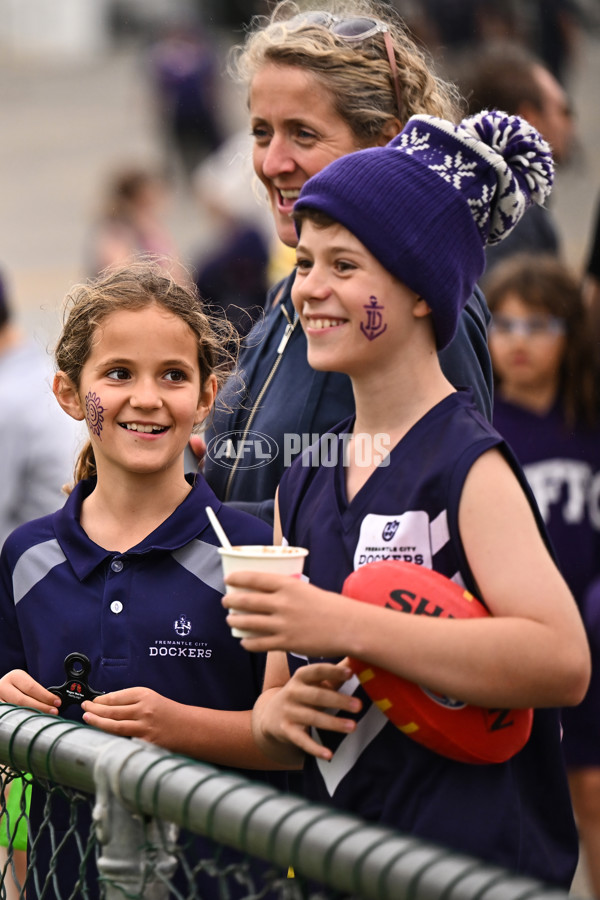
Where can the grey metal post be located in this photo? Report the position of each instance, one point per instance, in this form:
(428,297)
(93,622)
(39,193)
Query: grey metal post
(135,859)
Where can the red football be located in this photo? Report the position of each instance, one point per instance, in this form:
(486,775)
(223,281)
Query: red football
(451,728)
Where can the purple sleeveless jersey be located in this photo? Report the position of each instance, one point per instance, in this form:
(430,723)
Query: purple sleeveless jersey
(516,814)
(562,465)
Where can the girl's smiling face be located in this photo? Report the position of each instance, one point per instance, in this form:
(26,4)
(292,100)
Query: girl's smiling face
(140,392)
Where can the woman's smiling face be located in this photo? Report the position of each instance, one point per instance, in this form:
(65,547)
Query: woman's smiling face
(297,132)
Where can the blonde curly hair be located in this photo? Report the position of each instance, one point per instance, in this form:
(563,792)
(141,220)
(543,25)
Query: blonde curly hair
(355,73)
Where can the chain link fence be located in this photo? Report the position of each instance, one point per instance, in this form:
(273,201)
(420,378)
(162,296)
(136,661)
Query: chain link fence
(118,818)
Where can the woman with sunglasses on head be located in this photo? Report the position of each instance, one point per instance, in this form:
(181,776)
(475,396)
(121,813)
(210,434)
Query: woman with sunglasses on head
(546,407)
(321,84)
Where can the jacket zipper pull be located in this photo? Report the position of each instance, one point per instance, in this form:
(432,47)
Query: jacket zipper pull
(285,338)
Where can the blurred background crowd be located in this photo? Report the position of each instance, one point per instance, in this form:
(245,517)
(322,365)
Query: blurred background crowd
(121,132)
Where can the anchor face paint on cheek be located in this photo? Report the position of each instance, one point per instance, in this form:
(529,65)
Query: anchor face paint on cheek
(374,324)
(93,413)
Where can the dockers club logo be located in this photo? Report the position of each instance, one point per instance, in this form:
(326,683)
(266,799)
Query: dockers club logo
(390,530)
(242,450)
(374,325)
(182,626)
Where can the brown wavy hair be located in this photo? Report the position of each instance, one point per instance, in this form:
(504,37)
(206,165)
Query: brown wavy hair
(136,286)
(355,74)
(544,283)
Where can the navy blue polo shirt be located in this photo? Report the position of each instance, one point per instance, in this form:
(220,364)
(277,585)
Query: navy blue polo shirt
(151,616)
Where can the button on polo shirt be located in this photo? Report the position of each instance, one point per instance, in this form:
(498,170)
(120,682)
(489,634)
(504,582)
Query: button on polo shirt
(122,588)
(124,609)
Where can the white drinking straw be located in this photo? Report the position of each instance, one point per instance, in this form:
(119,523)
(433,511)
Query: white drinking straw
(223,539)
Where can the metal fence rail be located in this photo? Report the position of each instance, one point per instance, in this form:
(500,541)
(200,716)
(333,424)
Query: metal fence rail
(139,788)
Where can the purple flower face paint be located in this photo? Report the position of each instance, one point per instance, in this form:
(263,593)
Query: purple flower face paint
(374,325)
(93,413)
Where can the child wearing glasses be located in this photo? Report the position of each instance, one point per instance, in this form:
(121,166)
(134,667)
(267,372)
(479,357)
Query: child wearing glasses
(546,407)
(391,243)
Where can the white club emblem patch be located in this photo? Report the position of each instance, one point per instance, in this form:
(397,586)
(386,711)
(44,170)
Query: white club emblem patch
(182,626)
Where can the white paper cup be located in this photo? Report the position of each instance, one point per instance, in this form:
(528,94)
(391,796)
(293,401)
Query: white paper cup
(260,558)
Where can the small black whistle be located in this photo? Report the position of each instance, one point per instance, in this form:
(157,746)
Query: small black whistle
(76,688)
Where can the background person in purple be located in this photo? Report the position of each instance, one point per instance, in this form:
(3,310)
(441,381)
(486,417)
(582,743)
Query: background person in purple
(547,408)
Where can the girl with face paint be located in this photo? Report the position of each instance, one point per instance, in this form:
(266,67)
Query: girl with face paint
(128,571)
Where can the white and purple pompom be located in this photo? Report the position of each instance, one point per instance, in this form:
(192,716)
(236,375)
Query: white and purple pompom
(522,160)
(499,163)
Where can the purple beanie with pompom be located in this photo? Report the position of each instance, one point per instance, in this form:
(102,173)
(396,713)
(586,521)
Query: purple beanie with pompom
(427,204)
